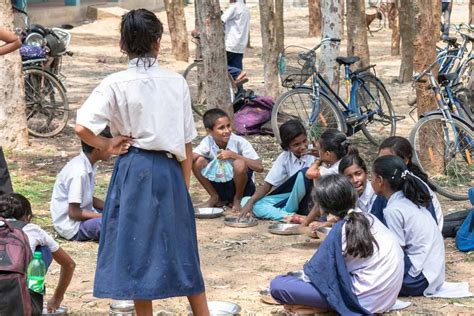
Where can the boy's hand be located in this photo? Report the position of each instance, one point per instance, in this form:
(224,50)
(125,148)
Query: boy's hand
(119,145)
(53,304)
(247,210)
(227,154)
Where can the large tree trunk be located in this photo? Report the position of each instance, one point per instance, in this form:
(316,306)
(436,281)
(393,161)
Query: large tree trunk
(177,28)
(357,44)
(271,24)
(331,27)
(314,8)
(214,55)
(471,12)
(407,30)
(393,23)
(13,128)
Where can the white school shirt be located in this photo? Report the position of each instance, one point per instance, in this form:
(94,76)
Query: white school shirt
(419,236)
(209,149)
(324,169)
(74,184)
(436,205)
(286,165)
(237,25)
(38,237)
(146,102)
(376,280)
(367,199)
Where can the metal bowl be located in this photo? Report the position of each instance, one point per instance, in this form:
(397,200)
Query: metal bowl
(240,222)
(208,212)
(122,308)
(62,310)
(322,232)
(285,229)
(221,308)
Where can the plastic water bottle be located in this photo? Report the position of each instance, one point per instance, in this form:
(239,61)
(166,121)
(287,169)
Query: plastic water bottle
(35,273)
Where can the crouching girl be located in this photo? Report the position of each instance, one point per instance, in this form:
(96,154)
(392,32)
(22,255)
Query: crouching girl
(358,269)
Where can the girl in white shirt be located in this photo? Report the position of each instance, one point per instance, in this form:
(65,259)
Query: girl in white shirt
(412,224)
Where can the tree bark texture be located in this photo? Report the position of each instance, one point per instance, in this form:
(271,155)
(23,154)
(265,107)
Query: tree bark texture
(177,28)
(395,26)
(330,27)
(214,55)
(13,127)
(471,12)
(357,44)
(314,8)
(271,25)
(407,29)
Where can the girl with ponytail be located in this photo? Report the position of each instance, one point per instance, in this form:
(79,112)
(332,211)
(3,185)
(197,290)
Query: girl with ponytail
(360,255)
(412,224)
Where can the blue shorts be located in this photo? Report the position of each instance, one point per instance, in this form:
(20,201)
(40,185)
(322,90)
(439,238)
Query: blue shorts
(226,190)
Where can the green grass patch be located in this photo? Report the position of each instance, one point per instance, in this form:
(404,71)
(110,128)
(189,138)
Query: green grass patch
(37,189)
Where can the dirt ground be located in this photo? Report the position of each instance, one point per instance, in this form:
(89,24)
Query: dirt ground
(236,263)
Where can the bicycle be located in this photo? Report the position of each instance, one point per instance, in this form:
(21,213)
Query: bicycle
(443,140)
(194,76)
(368,107)
(376,16)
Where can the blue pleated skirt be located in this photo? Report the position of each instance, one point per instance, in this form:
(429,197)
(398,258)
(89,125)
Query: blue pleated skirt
(148,245)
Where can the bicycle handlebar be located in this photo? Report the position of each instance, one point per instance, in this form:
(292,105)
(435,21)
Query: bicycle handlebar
(417,77)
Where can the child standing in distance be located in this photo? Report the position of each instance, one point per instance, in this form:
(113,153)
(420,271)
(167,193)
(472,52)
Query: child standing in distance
(148,244)
(357,270)
(286,186)
(14,206)
(412,224)
(222,144)
(74,208)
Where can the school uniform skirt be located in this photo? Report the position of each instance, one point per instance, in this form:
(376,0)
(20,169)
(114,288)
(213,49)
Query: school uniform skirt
(148,245)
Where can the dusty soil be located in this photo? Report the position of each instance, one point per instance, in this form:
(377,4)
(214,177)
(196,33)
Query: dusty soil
(236,263)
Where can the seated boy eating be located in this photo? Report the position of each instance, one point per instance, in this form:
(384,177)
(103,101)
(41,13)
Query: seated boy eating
(74,208)
(222,144)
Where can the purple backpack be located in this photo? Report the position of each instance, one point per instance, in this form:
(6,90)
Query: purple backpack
(253,114)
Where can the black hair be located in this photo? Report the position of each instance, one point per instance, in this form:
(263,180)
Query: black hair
(211,116)
(289,131)
(336,141)
(335,195)
(401,147)
(15,205)
(350,160)
(88,148)
(395,172)
(140,31)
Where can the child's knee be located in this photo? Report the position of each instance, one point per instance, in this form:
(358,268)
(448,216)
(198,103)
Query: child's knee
(200,162)
(240,167)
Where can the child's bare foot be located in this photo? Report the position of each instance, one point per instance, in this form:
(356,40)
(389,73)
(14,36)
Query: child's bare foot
(236,207)
(212,202)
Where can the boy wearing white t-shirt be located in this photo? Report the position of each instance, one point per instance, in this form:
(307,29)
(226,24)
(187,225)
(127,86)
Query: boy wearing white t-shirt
(74,208)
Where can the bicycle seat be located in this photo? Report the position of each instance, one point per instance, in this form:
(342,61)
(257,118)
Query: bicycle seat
(450,40)
(446,78)
(347,60)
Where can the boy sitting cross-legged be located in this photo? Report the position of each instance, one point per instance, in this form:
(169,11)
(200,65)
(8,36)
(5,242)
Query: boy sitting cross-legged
(222,144)
(74,208)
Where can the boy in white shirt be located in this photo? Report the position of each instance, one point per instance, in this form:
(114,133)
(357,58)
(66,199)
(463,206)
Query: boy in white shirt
(222,144)
(74,208)
(236,24)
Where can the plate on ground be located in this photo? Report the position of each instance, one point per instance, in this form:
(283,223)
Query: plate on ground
(285,229)
(233,221)
(208,212)
(222,308)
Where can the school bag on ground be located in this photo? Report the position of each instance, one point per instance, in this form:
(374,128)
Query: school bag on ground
(15,255)
(253,115)
(452,223)
(465,234)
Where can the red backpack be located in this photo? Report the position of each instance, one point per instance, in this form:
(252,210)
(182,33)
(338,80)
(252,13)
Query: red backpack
(15,255)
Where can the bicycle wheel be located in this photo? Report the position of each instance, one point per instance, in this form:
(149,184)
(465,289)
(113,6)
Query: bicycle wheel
(373,100)
(194,76)
(445,152)
(466,75)
(297,104)
(47,107)
(376,18)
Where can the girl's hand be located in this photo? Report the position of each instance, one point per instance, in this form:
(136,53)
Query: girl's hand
(316,225)
(53,303)
(313,171)
(247,210)
(226,154)
(119,145)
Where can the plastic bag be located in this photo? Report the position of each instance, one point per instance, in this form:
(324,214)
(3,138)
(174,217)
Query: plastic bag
(218,170)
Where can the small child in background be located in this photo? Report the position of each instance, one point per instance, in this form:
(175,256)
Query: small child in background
(222,144)
(74,208)
(286,188)
(14,206)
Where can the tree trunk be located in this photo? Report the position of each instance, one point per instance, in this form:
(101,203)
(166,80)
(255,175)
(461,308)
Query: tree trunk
(177,27)
(343,15)
(314,8)
(394,25)
(330,27)
(407,30)
(357,44)
(13,127)
(471,12)
(214,55)
(271,24)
